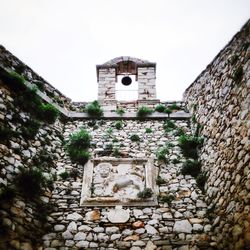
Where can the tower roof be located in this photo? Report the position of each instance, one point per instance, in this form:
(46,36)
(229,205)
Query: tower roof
(139,62)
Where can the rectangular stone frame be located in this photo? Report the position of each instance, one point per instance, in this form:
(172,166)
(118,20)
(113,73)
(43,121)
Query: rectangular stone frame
(150,177)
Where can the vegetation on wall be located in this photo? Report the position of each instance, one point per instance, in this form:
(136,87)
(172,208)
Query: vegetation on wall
(189,145)
(30,128)
(161,154)
(168,126)
(27,99)
(143,112)
(174,106)
(160,108)
(191,167)
(159,180)
(238,74)
(78,145)
(148,130)
(168,110)
(94,109)
(118,125)
(7,193)
(120,111)
(134,138)
(30,182)
(47,112)
(167,198)
(6,134)
(146,193)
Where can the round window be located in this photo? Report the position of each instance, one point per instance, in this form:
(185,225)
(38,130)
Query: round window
(126,80)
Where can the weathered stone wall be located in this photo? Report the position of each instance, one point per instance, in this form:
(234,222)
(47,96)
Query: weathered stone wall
(106,84)
(23,221)
(219,100)
(146,83)
(9,61)
(178,225)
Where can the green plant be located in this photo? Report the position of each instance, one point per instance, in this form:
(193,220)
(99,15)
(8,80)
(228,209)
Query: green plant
(44,159)
(148,130)
(58,99)
(30,128)
(48,112)
(169,145)
(161,154)
(120,111)
(7,193)
(28,100)
(80,140)
(115,139)
(160,108)
(191,167)
(168,126)
(77,146)
(238,74)
(233,59)
(109,147)
(15,81)
(94,109)
(7,133)
(168,111)
(20,68)
(82,108)
(167,198)
(74,173)
(40,86)
(146,193)
(91,123)
(144,111)
(189,145)
(134,137)
(201,180)
(79,156)
(175,161)
(193,118)
(160,180)
(117,152)
(118,125)
(179,132)
(174,106)
(64,175)
(30,182)
(43,210)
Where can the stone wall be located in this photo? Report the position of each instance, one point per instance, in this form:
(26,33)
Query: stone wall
(9,61)
(177,224)
(146,83)
(219,100)
(23,220)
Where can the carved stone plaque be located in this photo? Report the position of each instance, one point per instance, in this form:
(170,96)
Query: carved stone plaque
(117,181)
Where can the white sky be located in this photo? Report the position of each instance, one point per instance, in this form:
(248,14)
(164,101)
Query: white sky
(63,40)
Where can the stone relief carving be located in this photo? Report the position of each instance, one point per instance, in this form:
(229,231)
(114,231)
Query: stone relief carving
(116,181)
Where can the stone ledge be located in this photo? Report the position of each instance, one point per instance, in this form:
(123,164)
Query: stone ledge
(181,115)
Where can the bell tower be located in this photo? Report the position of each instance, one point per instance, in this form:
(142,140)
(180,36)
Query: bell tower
(126,76)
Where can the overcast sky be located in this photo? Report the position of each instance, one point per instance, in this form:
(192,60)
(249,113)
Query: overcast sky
(63,40)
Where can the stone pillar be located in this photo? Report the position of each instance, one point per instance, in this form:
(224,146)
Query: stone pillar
(146,83)
(106,84)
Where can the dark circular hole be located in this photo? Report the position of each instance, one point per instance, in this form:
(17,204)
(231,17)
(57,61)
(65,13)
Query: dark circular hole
(126,80)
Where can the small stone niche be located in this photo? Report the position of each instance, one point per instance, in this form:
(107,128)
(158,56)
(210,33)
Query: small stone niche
(114,181)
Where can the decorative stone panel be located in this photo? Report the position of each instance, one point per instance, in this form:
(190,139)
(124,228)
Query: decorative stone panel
(117,181)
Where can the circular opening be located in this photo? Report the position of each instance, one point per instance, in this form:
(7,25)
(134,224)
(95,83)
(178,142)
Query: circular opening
(126,80)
